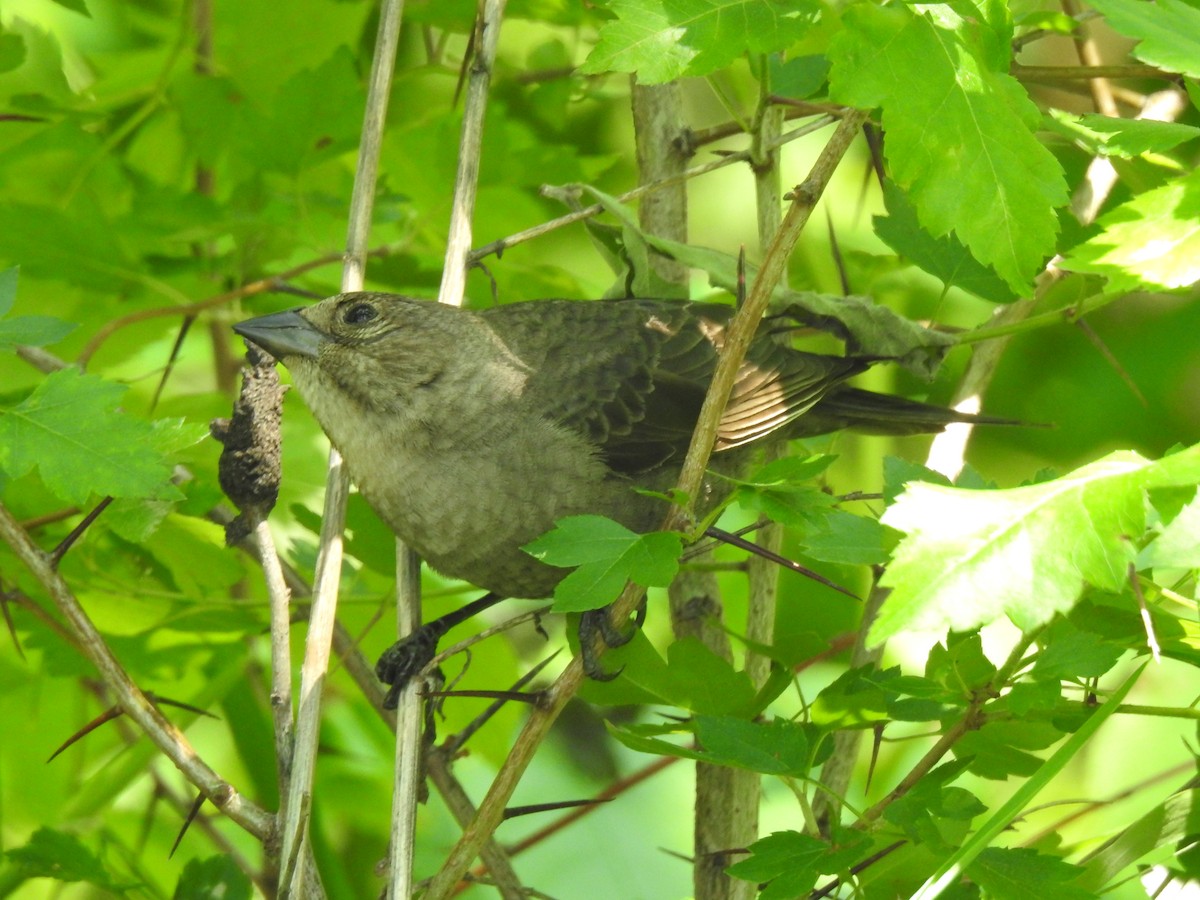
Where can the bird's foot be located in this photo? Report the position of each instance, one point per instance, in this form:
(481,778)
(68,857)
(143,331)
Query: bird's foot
(409,656)
(596,628)
(405,659)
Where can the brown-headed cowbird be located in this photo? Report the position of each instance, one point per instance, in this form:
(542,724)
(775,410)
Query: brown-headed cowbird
(471,432)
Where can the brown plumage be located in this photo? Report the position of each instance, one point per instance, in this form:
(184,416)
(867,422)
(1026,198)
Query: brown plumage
(471,432)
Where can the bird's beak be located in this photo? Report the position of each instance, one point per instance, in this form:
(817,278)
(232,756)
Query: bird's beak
(283,334)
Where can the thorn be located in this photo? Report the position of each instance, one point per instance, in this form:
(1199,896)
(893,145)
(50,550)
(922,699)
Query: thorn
(5,598)
(875,745)
(513,812)
(1098,343)
(187,823)
(750,547)
(60,551)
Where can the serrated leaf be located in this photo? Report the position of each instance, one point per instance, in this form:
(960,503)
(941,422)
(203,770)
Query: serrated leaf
(61,856)
(1124,138)
(847,539)
(971,557)
(1017,873)
(1169,823)
(1071,652)
(959,130)
(1151,241)
(71,430)
(779,747)
(999,750)
(607,555)
(217,876)
(35,331)
(942,257)
(662,40)
(1179,543)
(1168,31)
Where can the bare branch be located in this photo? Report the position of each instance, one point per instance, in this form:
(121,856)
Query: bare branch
(169,739)
(329,557)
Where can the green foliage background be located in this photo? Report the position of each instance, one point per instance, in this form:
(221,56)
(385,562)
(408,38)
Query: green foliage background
(146,186)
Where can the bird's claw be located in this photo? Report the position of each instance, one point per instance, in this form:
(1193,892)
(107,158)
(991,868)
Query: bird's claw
(405,659)
(595,626)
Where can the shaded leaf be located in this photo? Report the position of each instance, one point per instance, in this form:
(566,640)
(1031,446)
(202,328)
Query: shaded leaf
(959,129)
(1017,873)
(217,876)
(943,257)
(71,430)
(61,856)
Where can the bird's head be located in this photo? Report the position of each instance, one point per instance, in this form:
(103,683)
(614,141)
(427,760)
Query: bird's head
(369,348)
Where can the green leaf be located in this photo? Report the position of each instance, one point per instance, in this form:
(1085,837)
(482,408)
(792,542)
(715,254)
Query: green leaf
(315,116)
(897,473)
(1002,749)
(959,129)
(8,288)
(79,6)
(61,856)
(694,678)
(34,331)
(1152,241)
(971,557)
(1168,31)
(1170,823)
(779,747)
(607,555)
(787,859)
(217,876)
(82,249)
(662,40)
(846,538)
(12,52)
(935,812)
(1071,653)
(71,430)
(949,869)
(1018,873)
(942,257)
(854,700)
(790,862)
(1178,545)
(1124,138)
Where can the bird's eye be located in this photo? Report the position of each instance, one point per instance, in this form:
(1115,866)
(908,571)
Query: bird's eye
(359,314)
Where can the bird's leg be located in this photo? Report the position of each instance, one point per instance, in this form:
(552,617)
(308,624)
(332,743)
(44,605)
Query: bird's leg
(595,626)
(409,655)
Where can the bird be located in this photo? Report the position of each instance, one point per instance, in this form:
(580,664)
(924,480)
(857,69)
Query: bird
(472,432)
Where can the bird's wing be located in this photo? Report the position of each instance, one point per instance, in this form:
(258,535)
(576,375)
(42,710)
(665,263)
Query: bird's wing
(631,375)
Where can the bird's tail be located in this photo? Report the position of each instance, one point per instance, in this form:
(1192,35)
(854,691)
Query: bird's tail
(872,413)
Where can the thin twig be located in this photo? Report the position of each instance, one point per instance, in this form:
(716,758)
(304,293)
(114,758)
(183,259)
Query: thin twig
(587,212)
(259,286)
(1078,73)
(169,739)
(329,557)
